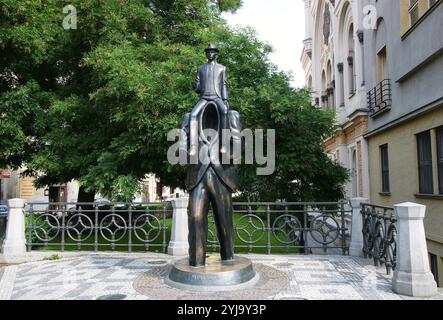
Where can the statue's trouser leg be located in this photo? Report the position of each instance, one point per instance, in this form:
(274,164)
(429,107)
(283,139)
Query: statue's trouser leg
(194,126)
(198,224)
(223,123)
(221,200)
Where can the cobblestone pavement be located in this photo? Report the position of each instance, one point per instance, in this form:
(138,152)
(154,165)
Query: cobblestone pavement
(95,276)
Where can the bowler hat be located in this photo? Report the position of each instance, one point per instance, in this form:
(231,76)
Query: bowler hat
(211,47)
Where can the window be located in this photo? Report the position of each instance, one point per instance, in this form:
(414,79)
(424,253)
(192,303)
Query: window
(433,262)
(440,158)
(382,68)
(426,184)
(351,69)
(384,168)
(432,2)
(413,12)
(354,174)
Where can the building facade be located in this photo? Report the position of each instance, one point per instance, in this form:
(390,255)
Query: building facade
(404,78)
(379,65)
(14,185)
(333,62)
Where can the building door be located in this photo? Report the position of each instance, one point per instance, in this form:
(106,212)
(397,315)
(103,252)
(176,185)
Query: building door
(58,196)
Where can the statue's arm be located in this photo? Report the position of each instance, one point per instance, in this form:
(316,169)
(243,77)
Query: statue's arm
(184,132)
(225,96)
(196,83)
(236,129)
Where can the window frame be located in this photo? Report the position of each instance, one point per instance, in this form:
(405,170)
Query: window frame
(432,3)
(439,142)
(433,264)
(425,163)
(413,5)
(384,163)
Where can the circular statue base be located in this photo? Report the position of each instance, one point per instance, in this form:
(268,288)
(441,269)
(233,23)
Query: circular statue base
(217,275)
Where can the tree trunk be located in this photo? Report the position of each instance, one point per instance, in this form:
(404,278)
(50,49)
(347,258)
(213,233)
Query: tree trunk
(84,196)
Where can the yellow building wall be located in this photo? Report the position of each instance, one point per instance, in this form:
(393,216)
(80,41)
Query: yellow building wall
(403,174)
(405,23)
(27,189)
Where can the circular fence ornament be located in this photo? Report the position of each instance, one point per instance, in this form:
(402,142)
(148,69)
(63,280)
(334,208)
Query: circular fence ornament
(46,227)
(79,227)
(287,229)
(113,224)
(324,229)
(147,228)
(250,228)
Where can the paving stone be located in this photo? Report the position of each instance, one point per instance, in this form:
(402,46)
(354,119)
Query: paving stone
(290,276)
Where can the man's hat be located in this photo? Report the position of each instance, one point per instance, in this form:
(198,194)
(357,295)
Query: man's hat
(211,47)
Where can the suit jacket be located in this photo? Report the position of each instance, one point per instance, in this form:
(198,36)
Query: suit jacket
(226,172)
(218,76)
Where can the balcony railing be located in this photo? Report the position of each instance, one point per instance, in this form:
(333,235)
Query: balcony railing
(380,98)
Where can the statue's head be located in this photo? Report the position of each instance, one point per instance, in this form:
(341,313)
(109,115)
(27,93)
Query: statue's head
(212,52)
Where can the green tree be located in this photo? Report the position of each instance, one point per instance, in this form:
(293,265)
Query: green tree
(95,103)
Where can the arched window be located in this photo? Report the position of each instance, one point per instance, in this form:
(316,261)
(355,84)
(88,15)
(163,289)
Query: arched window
(351,69)
(381,54)
(324,96)
(330,85)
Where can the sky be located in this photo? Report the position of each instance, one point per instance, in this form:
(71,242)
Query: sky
(281,24)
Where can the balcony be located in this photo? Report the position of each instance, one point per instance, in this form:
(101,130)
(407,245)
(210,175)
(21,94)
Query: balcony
(380,98)
(308,47)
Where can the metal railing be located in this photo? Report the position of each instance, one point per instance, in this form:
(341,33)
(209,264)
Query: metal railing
(289,227)
(380,98)
(274,227)
(96,226)
(380,235)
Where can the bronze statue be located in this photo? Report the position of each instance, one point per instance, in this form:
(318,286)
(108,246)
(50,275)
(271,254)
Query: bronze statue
(210,182)
(211,83)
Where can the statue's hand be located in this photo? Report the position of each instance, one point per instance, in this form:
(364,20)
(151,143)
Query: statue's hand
(226,103)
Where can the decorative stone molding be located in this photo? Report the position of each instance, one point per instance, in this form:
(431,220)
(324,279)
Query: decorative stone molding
(360,36)
(340,67)
(179,246)
(351,60)
(412,275)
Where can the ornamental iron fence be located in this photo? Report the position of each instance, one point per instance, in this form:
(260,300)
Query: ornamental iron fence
(289,227)
(97,226)
(380,235)
(274,227)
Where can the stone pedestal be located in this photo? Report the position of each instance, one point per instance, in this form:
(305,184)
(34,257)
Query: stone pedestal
(179,246)
(356,245)
(217,275)
(14,245)
(412,276)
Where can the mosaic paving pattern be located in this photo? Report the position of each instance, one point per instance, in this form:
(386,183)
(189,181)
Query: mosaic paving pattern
(283,277)
(271,282)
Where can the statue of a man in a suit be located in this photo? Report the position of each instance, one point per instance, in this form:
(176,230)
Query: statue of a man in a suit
(210,182)
(211,83)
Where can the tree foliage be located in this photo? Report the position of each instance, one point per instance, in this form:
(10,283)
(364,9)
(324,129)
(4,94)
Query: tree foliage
(95,103)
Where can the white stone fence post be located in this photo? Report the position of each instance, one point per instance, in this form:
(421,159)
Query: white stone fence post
(356,245)
(14,244)
(412,275)
(179,246)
